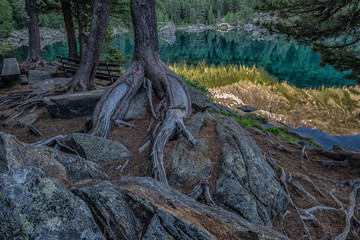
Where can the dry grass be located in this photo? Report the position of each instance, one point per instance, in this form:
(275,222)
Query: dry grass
(334,110)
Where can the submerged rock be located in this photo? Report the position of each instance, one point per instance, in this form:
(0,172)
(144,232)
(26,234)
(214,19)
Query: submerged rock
(34,206)
(246,182)
(97,149)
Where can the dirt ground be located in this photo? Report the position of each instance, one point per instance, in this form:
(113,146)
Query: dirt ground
(323,186)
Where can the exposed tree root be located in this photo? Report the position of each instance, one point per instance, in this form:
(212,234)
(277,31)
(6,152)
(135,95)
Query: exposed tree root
(173,108)
(29,100)
(306,215)
(348,213)
(308,180)
(283,181)
(56,143)
(35,131)
(304,155)
(202,188)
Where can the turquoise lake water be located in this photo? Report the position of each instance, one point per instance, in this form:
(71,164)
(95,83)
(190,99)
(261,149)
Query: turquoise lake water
(284,60)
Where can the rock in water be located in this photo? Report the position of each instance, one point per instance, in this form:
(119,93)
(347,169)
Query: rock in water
(34,206)
(97,149)
(246,182)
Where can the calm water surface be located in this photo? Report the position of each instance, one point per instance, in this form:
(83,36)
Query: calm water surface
(284,60)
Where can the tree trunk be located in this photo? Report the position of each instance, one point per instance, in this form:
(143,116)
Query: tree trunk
(70,30)
(34,50)
(81,30)
(84,77)
(147,68)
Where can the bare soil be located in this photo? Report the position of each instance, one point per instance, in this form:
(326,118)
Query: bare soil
(330,223)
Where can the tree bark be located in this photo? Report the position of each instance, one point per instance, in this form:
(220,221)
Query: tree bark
(34,50)
(70,30)
(147,67)
(84,77)
(81,30)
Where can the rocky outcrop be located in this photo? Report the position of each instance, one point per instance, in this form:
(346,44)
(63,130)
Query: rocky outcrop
(97,149)
(143,208)
(48,36)
(246,182)
(167,33)
(245,189)
(34,206)
(68,168)
(201,102)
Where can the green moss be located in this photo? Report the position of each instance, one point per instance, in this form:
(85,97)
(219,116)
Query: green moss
(282,133)
(225,113)
(250,120)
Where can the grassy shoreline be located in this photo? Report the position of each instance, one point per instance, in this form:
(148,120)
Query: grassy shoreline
(333,110)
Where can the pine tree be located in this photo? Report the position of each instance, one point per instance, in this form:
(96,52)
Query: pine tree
(211,17)
(192,17)
(330,27)
(6,21)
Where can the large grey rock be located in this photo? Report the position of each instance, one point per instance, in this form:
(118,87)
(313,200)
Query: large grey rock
(50,84)
(82,104)
(111,208)
(38,75)
(33,206)
(27,120)
(164,226)
(128,216)
(200,101)
(166,213)
(137,108)
(189,163)
(65,167)
(97,149)
(72,105)
(246,183)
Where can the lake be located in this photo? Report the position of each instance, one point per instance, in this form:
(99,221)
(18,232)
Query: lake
(284,60)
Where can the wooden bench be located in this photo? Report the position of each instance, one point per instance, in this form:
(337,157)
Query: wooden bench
(105,70)
(10,70)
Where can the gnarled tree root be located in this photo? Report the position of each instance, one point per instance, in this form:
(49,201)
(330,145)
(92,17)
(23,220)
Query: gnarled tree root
(174,107)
